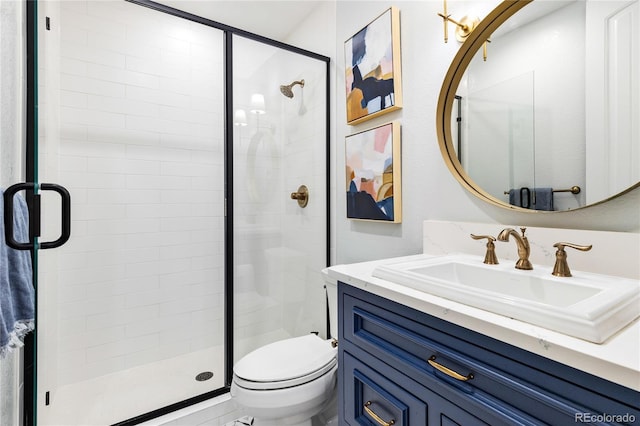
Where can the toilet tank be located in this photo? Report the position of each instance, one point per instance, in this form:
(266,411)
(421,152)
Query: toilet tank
(331,285)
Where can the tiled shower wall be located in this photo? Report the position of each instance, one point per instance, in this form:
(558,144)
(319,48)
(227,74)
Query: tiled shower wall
(141,151)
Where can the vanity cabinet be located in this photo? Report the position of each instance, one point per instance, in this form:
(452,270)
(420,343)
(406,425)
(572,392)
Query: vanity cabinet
(407,368)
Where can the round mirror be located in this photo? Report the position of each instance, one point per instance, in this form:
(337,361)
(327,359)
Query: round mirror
(550,120)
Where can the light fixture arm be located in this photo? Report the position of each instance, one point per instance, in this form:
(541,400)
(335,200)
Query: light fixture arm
(461,26)
(464,28)
(484,49)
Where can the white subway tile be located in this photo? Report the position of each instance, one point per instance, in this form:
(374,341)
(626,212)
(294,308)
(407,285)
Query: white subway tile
(123,76)
(140,229)
(179,224)
(73,99)
(176,50)
(117,349)
(109,42)
(104,336)
(142,269)
(150,239)
(121,317)
(186,305)
(157,153)
(92,55)
(186,115)
(72,132)
(141,36)
(107,165)
(73,164)
(122,106)
(122,136)
(146,326)
(136,285)
(72,359)
(171,266)
(159,97)
(144,123)
(118,12)
(210,104)
(81,20)
(90,306)
(209,144)
(99,212)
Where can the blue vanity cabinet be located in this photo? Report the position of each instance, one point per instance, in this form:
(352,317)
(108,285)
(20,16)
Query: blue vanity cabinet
(398,364)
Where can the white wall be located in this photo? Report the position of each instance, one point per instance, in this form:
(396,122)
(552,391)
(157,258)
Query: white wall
(429,189)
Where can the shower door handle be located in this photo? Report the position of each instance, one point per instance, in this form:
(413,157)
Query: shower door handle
(34,215)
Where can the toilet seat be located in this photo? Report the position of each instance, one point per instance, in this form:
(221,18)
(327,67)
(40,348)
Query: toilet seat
(286,363)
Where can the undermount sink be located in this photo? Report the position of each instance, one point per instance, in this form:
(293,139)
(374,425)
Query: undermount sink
(588,306)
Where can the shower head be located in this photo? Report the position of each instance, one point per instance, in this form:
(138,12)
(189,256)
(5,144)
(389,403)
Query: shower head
(286,90)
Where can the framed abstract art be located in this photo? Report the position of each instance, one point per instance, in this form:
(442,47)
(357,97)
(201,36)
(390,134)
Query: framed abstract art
(372,68)
(372,160)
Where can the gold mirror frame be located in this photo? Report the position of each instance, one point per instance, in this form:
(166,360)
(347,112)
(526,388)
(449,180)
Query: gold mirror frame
(458,67)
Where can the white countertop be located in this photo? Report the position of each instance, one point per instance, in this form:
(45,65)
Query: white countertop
(616,360)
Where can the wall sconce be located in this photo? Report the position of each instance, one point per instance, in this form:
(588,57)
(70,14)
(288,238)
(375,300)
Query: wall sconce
(240,118)
(257,104)
(464,27)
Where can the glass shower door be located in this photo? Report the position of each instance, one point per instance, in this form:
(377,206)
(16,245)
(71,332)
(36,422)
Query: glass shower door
(280,242)
(131,309)
(11,171)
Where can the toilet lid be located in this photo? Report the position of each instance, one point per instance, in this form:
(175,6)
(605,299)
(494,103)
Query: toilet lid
(286,360)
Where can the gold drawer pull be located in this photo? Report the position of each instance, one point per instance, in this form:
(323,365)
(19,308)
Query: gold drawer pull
(449,372)
(376,417)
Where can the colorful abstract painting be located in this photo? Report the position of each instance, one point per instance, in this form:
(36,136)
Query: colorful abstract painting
(373,174)
(372,63)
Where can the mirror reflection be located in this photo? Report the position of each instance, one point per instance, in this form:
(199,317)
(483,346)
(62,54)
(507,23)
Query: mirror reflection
(550,121)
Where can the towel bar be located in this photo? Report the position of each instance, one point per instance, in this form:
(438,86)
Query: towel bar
(574,190)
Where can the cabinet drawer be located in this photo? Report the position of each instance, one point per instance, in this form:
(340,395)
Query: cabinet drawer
(489,373)
(392,397)
(374,395)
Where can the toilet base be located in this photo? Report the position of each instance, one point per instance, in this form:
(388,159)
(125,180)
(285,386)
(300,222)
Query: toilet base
(327,417)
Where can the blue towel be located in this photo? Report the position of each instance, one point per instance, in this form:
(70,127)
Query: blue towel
(543,199)
(520,197)
(532,198)
(17,295)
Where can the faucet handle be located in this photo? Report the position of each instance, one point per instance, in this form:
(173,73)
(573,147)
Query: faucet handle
(490,257)
(561,268)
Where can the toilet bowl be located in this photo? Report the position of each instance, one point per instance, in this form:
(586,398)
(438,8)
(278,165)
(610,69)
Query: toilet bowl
(290,381)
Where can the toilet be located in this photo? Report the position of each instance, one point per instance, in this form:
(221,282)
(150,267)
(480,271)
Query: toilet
(292,381)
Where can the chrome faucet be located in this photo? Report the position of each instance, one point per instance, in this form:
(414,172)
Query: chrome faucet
(523,246)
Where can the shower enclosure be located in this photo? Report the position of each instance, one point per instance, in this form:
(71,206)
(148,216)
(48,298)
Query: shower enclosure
(187,249)
(280,247)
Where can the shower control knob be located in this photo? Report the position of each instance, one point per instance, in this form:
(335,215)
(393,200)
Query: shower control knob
(302,196)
